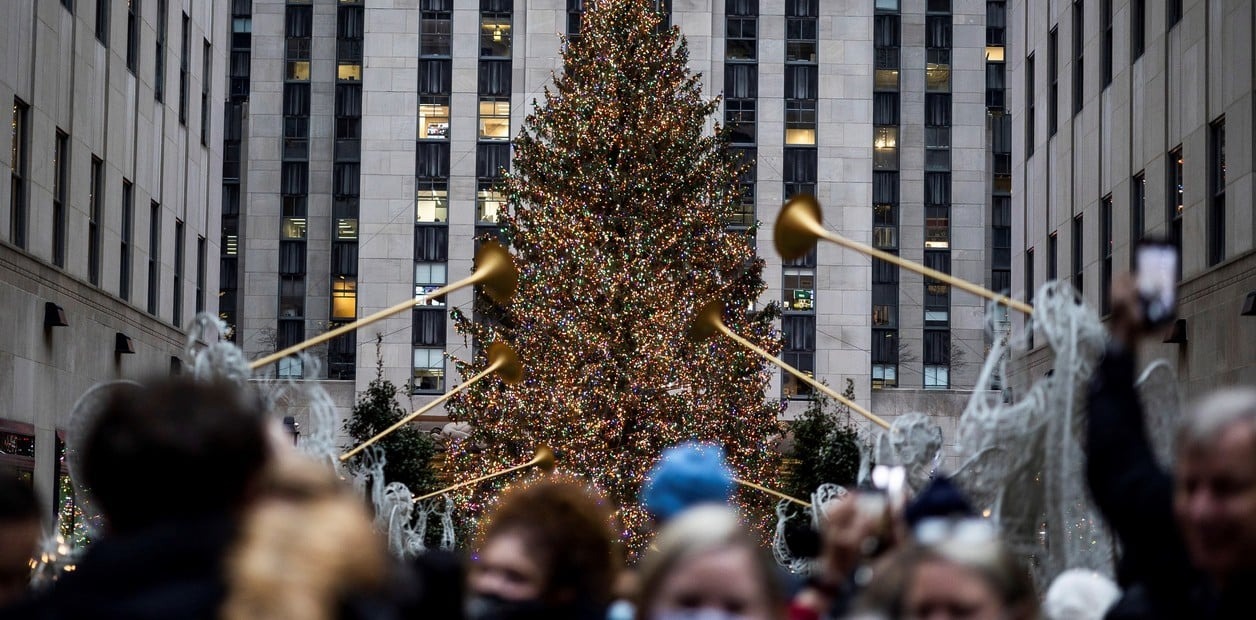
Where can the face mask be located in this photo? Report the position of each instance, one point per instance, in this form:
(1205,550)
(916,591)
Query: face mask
(705,613)
(490,607)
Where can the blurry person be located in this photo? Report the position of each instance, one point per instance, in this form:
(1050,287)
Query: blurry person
(959,579)
(1078,594)
(171,465)
(548,550)
(307,550)
(20,531)
(705,565)
(856,528)
(1188,539)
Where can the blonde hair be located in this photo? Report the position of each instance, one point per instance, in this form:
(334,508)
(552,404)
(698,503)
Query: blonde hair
(304,546)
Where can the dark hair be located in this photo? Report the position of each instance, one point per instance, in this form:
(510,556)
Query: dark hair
(18,501)
(174,448)
(567,527)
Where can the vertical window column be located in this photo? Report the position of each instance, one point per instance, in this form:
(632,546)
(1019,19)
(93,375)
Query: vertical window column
(1079,255)
(294,184)
(800,174)
(18,156)
(741,90)
(159,70)
(185,58)
(886,119)
(60,196)
(1105,253)
(937,194)
(132,35)
(95,221)
(431,231)
(1176,202)
(176,293)
(154,256)
(232,156)
(346,191)
(1216,192)
(127,230)
(1138,212)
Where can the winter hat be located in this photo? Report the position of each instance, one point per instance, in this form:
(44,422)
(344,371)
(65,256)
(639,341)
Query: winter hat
(1079,594)
(940,498)
(687,474)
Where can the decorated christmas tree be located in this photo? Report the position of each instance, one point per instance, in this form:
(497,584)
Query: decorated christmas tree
(619,194)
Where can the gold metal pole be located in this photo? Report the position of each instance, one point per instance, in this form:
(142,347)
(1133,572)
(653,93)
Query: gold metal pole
(803,376)
(544,458)
(495,270)
(747,483)
(798,226)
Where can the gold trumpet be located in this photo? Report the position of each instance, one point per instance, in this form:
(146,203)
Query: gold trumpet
(544,458)
(502,360)
(757,487)
(798,227)
(710,320)
(495,271)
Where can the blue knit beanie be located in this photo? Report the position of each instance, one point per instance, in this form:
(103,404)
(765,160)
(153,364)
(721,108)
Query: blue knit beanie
(686,475)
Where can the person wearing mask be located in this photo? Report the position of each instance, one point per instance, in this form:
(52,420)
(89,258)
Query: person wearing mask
(705,565)
(548,550)
(1188,538)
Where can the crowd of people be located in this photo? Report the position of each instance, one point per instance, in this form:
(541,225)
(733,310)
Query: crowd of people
(210,513)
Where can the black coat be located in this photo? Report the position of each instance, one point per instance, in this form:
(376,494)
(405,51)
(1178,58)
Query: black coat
(1135,496)
(174,570)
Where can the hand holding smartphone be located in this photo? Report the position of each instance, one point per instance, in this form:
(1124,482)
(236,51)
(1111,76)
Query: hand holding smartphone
(1156,264)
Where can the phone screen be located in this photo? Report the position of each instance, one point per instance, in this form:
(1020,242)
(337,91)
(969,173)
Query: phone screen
(1157,281)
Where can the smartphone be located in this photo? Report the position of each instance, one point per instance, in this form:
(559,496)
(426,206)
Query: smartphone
(1156,265)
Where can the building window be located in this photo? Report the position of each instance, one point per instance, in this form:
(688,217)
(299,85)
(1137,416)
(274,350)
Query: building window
(1053,69)
(200,273)
(490,203)
(185,59)
(346,229)
(1029,292)
(800,122)
(938,227)
(1079,265)
(176,315)
(429,370)
(1176,201)
(1053,255)
(128,226)
(102,22)
(799,289)
(436,38)
(1105,251)
(95,223)
(792,387)
(1216,198)
(207,56)
(884,358)
(154,255)
(434,117)
(1079,44)
(1030,115)
(344,298)
(293,228)
(884,226)
(1173,13)
(885,148)
(884,294)
(132,34)
(432,201)
(429,276)
(60,191)
(495,35)
(1105,14)
(740,37)
(494,119)
(1138,29)
(937,306)
(938,70)
(159,73)
(739,118)
(18,159)
(291,296)
(1138,212)
(937,359)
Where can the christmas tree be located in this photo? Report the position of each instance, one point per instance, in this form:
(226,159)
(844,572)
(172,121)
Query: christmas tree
(618,197)
(825,446)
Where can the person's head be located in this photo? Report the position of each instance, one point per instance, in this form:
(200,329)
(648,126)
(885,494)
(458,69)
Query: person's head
(1215,482)
(20,530)
(548,544)
(705,561)
(965,580)
(174,448)
(686,475)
